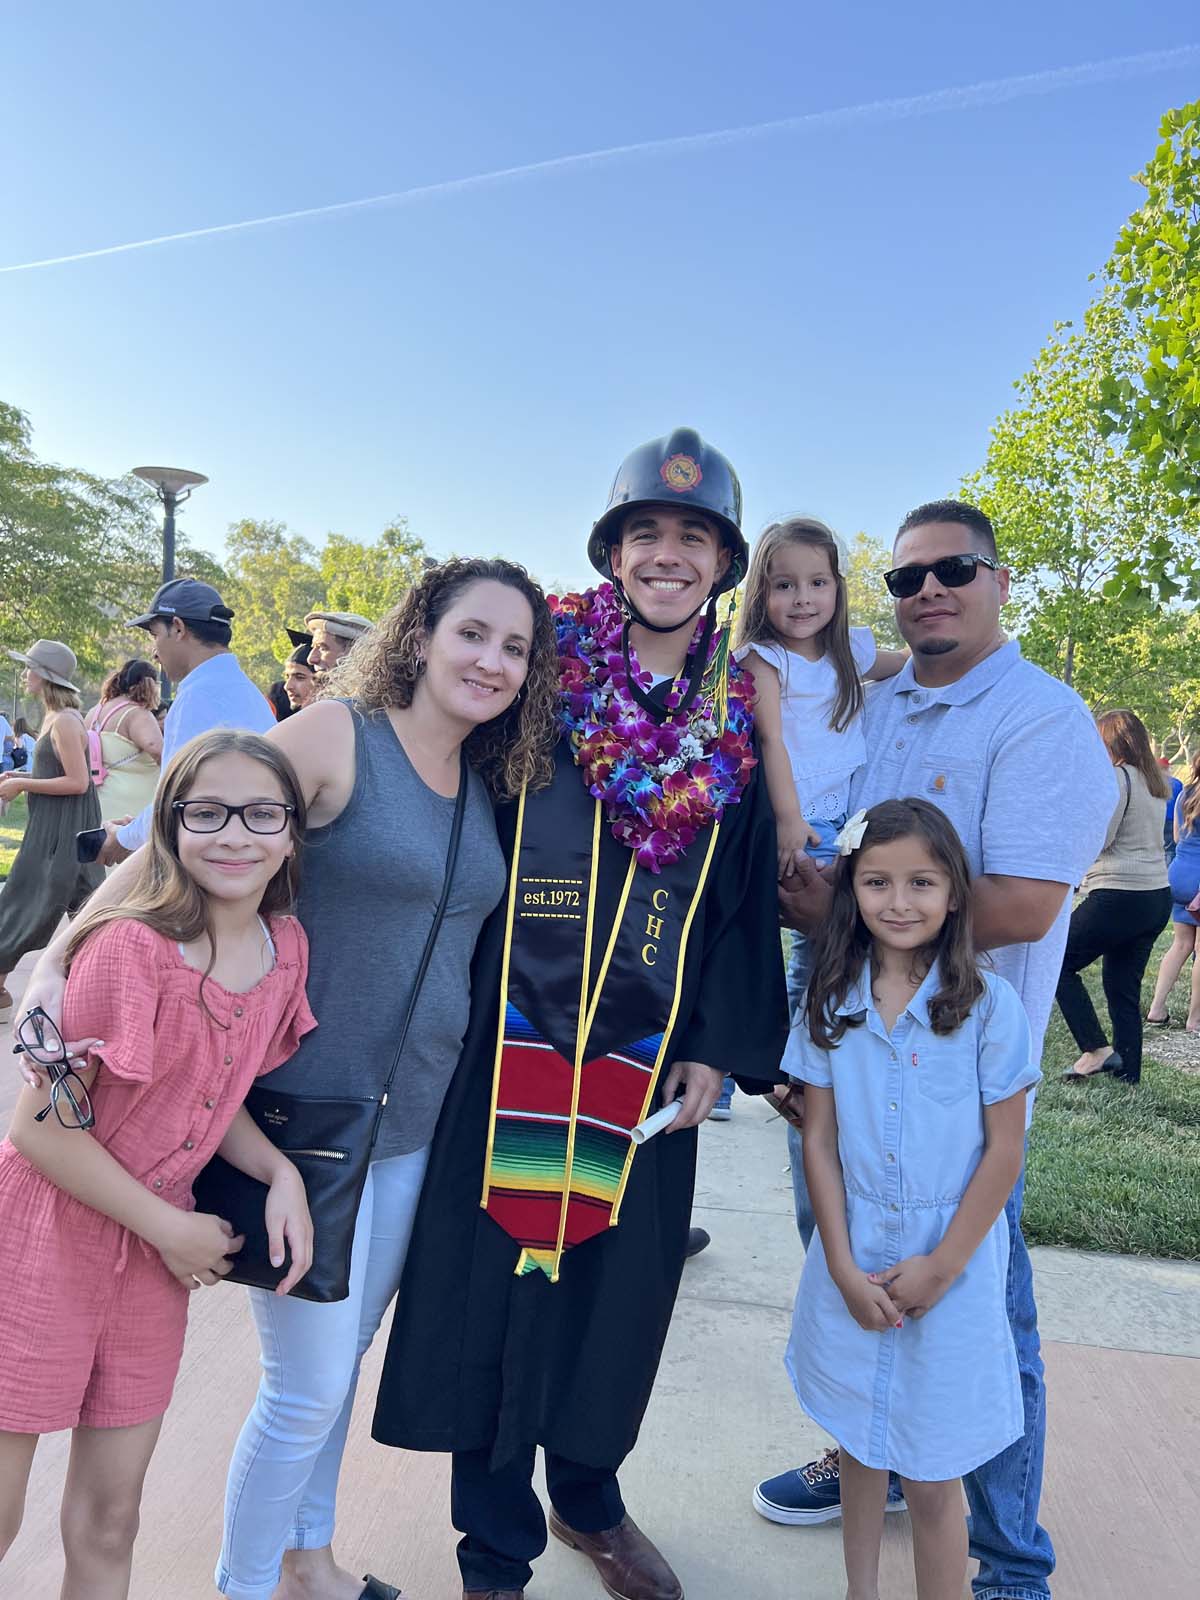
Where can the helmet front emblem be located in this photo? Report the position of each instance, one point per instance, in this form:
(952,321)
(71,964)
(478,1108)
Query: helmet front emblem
(681,473)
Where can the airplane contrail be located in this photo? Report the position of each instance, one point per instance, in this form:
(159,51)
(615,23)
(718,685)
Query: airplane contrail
(996,91)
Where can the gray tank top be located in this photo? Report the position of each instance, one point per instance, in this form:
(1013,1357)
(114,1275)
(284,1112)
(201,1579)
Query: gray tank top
(370,882)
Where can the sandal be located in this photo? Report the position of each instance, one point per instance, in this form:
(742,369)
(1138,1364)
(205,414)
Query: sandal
(1157,1022)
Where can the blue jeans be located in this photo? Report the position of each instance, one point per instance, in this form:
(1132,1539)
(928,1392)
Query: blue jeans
(1014,1551)
(283,1477)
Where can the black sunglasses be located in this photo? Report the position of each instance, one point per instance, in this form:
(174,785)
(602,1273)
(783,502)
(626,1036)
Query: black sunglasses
(952,572)
(42,1042)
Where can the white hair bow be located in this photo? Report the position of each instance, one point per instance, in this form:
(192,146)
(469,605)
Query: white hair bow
(851,835)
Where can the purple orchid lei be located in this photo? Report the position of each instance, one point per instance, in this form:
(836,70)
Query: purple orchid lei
(661,783)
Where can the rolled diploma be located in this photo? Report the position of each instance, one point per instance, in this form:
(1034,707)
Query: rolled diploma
(655,1124)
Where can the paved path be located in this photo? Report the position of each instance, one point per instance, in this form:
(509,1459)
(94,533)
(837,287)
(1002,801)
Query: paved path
(1123,1477)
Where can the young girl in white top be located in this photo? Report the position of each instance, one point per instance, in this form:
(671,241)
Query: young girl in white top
(808,665)
(916,1067)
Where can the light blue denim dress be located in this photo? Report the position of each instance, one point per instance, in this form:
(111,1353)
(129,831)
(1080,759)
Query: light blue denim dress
(939,1396)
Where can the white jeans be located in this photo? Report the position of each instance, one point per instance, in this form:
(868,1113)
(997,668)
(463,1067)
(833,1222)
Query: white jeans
(282,1483)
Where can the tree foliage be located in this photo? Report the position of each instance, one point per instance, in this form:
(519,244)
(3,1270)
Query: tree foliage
(871,605)
(372,578)
(78,554)
(1156,264)
(1090,536)
(274,580)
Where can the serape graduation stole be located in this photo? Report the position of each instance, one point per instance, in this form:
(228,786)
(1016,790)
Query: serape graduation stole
(578,1060)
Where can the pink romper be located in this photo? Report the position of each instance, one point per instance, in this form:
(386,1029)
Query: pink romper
(91,1321)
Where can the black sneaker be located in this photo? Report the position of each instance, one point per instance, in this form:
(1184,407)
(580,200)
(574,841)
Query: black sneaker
(812,1494)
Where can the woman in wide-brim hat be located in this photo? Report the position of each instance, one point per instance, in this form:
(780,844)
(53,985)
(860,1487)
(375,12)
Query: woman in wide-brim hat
(46,879)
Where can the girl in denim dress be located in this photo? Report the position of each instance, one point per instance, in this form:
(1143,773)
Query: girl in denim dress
(916,1066)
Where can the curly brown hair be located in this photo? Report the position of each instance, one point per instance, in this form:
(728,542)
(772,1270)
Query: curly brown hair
(513,750)
(842,945)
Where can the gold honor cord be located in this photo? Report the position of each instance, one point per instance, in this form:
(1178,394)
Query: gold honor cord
(508,930)
(670,1027)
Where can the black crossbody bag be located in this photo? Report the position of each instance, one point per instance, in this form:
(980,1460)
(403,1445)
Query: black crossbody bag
(331,1142)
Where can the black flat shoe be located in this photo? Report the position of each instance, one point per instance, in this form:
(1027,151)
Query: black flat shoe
(1112,1063)
(376,1589)
(1157,1022)
(1117,1069)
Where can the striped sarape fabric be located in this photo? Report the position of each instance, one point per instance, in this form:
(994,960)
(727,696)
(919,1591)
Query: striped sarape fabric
(559,1153)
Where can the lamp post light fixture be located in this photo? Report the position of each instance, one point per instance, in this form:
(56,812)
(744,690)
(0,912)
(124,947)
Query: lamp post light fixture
(173,485)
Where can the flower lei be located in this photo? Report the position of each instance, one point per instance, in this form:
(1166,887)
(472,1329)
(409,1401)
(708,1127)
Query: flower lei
(661,783)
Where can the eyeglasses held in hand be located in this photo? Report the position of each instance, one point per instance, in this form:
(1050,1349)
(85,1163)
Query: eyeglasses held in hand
(43,1044)
(210,816)
(952,572)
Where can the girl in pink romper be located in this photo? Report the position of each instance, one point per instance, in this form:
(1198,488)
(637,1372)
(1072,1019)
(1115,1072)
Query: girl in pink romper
(186,993)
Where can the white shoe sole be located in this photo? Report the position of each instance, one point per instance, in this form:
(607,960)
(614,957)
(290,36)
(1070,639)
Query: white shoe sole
(720,1114)
(807,1519)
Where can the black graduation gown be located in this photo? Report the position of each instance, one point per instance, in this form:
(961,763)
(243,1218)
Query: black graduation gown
(481,1358)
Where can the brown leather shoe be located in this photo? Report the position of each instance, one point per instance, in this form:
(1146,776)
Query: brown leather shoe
(629,1566)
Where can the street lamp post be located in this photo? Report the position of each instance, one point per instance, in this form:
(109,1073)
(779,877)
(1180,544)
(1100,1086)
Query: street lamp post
(173,485)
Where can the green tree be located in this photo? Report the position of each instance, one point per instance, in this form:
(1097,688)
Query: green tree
(870,603)
(1156,264)
(274,580)
(1085,529)
(78,554)
(371,578)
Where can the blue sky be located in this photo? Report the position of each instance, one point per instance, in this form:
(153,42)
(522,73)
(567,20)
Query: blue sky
(841,308)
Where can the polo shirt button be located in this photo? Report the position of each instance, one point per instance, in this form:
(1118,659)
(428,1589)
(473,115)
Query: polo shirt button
(910,719)
(893,1206)
(918,698)
(228,1061)
(158,1183)
(890,1156)
(209,1104)
(237,1011)
(189,1144)
(899,744)
(891,1105)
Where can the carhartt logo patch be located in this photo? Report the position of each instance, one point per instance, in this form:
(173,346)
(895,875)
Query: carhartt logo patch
(680,473)
(938,783)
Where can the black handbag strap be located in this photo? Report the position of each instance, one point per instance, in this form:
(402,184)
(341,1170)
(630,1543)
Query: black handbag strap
(460,806)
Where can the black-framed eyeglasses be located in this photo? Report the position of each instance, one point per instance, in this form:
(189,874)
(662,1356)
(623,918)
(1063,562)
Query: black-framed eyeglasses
(952,572)
(43,1044)
(210,816)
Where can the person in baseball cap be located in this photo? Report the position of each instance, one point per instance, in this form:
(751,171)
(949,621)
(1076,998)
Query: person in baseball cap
(190,626)
(334,634)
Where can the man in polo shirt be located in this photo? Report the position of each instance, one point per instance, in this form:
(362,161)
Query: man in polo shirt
(189,624)
(334,634)
(1006,752)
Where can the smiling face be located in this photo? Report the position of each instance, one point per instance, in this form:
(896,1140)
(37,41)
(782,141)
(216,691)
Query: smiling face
(668,561)
(903,892)
(949,630)
(801,592)
(477,658)
(234,864)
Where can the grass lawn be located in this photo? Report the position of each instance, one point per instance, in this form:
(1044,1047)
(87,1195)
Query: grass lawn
(1112,1167)
(12,827)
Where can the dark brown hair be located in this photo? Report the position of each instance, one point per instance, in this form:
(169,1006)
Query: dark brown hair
(1189,809)
(137,680)
(382,669)
(162,895)
(1128,744)
(755,626)
(842,946)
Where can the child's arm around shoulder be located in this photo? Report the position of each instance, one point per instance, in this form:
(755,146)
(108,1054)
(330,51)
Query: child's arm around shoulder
(791,831)
(887,664)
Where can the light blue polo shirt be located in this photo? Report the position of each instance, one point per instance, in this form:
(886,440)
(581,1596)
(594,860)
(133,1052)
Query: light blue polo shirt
(1014,759)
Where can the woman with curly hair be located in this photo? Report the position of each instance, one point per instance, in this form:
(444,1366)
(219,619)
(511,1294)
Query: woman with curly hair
(466,662)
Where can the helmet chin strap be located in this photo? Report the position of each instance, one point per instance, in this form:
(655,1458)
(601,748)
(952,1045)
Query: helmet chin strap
(634,615)
(696,669)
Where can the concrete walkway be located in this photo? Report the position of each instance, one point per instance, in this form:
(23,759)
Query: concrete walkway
(1122,1495)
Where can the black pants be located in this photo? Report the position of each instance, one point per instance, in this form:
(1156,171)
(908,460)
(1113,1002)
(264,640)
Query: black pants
(1121,926)
(501,1518)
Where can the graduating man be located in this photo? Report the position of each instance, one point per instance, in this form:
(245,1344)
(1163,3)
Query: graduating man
(634,959)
